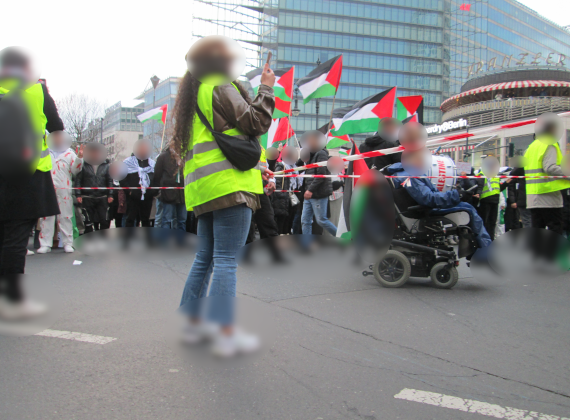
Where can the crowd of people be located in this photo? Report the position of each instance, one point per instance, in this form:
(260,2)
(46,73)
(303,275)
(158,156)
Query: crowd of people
(208,195)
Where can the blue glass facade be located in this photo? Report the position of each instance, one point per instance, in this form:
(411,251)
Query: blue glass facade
(384,44)
(424,47)
(498,29)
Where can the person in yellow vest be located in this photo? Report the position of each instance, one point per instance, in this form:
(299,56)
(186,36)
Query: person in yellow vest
(543,195)
(488,190)
(221,196)
(25,199)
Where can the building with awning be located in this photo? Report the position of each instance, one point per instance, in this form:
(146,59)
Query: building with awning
(490,106)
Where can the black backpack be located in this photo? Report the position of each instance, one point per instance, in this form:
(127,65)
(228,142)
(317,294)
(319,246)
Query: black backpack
(18,139)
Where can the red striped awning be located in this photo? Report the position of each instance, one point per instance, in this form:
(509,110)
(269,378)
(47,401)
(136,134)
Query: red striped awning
(506,86)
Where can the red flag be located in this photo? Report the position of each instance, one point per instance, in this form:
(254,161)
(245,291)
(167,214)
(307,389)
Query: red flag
(359,167)
(466,7)
(164,109)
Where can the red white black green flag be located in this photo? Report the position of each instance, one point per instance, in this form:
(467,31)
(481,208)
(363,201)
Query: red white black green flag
(334,141)
(279,132)
(322,81)
(364,116)
(283,89)
(409,106)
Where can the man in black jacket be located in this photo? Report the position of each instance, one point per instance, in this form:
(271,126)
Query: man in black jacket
(95,173)
(317,190)
(168,174)
(385,138)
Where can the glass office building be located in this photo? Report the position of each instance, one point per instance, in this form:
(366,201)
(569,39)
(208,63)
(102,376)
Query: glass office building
(383,45)
(497,35)
(424,47)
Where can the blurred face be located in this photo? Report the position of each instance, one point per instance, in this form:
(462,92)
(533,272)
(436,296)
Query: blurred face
(142,149)
(413,136)
(313,141)
(215,60)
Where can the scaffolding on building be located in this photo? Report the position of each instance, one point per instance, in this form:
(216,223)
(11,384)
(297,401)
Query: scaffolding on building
(250,22)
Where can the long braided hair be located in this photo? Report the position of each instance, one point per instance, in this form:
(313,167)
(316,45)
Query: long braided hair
(184,111)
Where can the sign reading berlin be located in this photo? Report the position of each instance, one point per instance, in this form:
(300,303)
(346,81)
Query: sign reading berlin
(447,126)
(523,59)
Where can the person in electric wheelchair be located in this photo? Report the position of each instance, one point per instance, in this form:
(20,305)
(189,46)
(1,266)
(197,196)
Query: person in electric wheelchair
(425,194)
(424,218)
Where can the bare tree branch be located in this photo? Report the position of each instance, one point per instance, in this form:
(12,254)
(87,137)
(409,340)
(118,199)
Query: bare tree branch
(77,111)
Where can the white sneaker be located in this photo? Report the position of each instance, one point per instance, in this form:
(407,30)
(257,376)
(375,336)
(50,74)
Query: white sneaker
(195,333)
(44,250)
(30,253)
(451,241)
(238,342)
(68,248)
(21,310)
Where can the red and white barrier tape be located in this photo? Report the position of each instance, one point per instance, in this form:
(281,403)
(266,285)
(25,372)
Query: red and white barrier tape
(136,188)
(332,176)
(429,143)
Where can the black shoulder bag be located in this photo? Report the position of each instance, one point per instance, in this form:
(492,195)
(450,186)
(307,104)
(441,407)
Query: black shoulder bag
(244,154)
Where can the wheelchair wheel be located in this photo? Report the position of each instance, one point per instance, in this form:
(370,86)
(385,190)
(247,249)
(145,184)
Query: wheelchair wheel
(393,270)
(443,276)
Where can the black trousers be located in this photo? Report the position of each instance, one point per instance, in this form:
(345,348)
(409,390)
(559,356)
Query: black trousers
(282,223)
(489,213)
(552,219)
(138,209)
(14,237)
(264,218)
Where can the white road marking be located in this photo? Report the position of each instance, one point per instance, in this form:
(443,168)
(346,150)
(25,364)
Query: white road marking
(472,406)
(76,336)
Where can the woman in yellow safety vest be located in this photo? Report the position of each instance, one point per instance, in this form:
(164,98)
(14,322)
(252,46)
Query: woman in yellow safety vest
(221,196)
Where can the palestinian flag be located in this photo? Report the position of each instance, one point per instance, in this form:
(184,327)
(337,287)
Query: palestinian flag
(408,106)
(283,89)
(322,81)
(333,141)
(279,133)
(413,118)
(158,114)
(355,167)
(365,115)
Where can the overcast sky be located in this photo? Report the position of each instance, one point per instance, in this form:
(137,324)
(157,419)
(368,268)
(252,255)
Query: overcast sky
(109,49)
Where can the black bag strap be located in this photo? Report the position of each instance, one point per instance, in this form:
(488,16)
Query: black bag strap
(203,119)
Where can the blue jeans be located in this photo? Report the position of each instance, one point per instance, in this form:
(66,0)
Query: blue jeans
(318,207)
(222,233)
(173,216)
(476,225)
(158,215)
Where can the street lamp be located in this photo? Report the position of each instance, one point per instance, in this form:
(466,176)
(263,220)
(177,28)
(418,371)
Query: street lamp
(154,80)
(296,111)
(317,103)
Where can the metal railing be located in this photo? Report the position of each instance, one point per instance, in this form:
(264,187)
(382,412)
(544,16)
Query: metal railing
(508,109)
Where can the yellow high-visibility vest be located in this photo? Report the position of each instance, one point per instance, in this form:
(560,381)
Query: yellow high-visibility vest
(34,99)
(534,156)
(207,173)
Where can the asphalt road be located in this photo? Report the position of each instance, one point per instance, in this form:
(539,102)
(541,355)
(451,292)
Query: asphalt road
(338,347)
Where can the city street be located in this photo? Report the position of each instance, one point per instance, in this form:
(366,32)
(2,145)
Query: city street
(339,348)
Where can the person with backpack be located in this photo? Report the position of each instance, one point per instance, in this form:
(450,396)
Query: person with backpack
(23,199)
